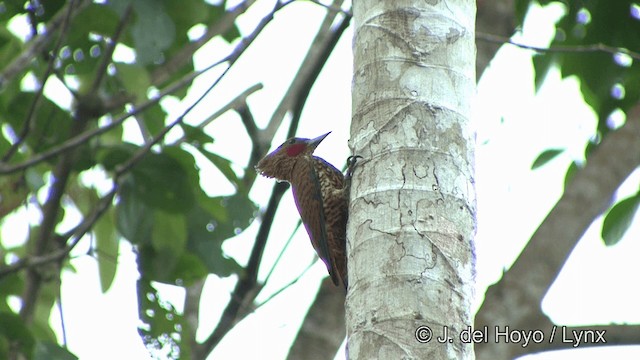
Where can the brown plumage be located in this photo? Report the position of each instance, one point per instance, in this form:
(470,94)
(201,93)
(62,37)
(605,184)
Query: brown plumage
(321,196)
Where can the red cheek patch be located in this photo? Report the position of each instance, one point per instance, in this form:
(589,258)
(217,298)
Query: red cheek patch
(295,149)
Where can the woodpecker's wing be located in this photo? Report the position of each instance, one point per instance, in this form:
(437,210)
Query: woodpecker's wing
(336,211)
(307,194)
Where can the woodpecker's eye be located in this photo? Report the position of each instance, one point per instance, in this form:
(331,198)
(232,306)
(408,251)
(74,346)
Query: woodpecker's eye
(291,141)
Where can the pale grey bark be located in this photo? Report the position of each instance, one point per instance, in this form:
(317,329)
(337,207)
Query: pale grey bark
(412,211)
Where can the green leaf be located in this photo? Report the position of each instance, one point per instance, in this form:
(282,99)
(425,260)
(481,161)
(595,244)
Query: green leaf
(154,119)
(186,13)
(51,124)
(134,220)
(162,326)
(241,211)
(169,233)
(95,19)
(82,64)
(545,157)
(571,171)
(48,295)
(224,165)
(113,155)
(119,6)
(153,31)
(135,78)
(520,8)
(107,249)
(188,163)
(162,183)
(13,192)
(34,179)
(195,135)
(11,284)
(618,219)
(189,268)
(542,64)
(51,8)
(10,47)
(206,244)
(159,257)
(51,351)
(14,331)
(11,9)
(609,23)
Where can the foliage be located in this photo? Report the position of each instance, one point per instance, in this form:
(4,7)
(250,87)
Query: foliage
(593,42)
(117,61)
(159,205)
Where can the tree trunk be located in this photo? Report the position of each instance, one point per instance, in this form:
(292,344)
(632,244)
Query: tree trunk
(495,17)
(412,210)
(314,342)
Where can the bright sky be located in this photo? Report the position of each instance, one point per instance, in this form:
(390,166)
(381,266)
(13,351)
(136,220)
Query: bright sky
(512,200)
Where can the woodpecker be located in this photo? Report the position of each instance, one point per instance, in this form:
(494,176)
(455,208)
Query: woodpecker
(321,194)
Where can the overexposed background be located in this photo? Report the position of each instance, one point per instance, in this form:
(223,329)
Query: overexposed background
(514,125)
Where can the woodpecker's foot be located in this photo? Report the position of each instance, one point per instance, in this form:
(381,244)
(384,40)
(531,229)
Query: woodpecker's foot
(351,165)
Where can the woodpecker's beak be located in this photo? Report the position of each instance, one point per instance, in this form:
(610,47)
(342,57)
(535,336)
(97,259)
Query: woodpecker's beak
(313,143)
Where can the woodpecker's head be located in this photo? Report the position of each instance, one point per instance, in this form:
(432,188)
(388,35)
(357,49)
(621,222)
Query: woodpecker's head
(280,162)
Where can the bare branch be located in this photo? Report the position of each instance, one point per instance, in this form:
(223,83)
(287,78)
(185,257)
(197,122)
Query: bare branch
(516,299)
(46,232)
(612,334)
(88,222)
(284,248)
(323,328)
(26,127)
(86,136)
(38,44)
(237,104)
(185,55)
(247,287)
(289,284)
(333,7)
(295,97)
(557,48)
(75,234)
(101,70)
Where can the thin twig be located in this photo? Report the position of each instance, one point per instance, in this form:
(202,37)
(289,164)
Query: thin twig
(247,287)
(248,120)
(289,284)
(37,45)
(88,135)
(111,46)
(46,233)
(26,127)
(81,229)
(185,55)
(284,248)
(237,103)
(294,98)
(332,7)
(77,232)
(559,48)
